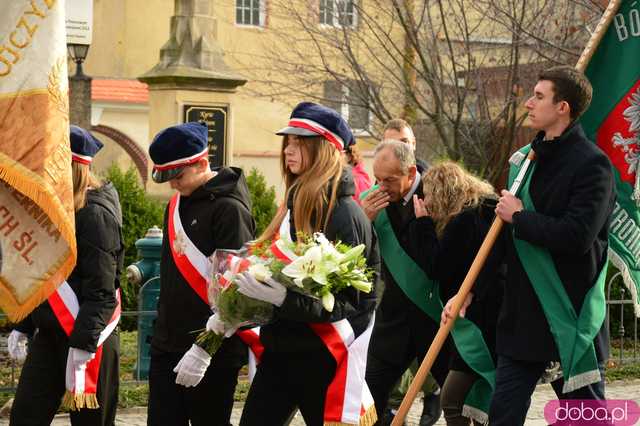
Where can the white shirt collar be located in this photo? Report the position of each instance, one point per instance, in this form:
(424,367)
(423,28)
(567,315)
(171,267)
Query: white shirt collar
(414,186)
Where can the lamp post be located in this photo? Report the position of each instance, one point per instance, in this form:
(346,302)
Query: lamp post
(79,88)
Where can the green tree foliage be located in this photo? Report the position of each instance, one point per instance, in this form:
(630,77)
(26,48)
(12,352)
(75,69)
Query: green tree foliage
(262,199)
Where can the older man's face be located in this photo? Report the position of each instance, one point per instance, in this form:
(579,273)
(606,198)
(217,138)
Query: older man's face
(405,135)
(388,174)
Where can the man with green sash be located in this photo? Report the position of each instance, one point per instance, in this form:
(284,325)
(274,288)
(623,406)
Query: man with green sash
(409,312)
(556,254)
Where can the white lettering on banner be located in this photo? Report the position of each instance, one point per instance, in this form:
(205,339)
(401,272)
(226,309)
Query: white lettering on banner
(627,231)
(627,26)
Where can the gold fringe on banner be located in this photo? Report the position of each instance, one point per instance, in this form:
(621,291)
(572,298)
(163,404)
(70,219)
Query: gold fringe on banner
(52,207)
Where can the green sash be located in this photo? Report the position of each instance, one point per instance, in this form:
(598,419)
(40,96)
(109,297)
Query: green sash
(572,333)
(425,294)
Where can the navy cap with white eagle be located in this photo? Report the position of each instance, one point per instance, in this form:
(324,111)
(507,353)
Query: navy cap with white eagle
(177,147)
(309,119)
(84,146)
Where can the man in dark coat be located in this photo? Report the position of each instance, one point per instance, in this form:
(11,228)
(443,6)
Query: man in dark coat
(561,215)
(211,210)
(399,130)
(94,282)
(403,331)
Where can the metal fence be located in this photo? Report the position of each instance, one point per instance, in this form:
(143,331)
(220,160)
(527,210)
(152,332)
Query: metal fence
(620,311)
(624,342)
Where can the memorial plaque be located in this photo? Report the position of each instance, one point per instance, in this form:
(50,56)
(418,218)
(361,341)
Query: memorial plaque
(215,117)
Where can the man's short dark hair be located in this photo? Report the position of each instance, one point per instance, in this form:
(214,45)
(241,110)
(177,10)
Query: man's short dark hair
(396,124)
(571,86)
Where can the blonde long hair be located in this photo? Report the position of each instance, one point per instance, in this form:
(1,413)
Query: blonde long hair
(83,179)
(315,188)
(448,189)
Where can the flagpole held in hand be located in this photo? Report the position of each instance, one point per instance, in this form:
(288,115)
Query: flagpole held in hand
(460,297)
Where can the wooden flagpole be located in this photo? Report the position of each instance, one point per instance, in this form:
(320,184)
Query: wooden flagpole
(490,240)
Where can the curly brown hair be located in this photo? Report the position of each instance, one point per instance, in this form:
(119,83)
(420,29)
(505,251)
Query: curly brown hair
(448,189)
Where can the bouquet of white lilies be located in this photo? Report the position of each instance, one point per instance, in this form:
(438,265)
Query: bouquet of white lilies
(313,266)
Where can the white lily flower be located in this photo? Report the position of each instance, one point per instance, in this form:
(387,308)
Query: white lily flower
(353,253)
(259,271)
(363,286)
(328,300)
(310,265)
(329,251)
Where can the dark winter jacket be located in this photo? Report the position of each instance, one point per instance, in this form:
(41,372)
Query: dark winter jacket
(216,215)
(289,332)
(447,260)
(96,275)
(572,188)
(398,319)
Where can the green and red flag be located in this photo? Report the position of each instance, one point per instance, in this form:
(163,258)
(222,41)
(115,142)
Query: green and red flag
(613,122)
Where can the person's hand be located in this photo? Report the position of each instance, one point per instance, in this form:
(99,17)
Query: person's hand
(419,207)
(192,366)
(217,326)
(447,312)
(375,201)
(270,291)
(80,357)
(17,345)
(508,204)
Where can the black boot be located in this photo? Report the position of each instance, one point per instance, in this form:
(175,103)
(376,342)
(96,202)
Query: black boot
(431,410)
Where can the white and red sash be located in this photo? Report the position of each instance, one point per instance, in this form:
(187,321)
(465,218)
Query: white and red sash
(81,384)
(194,266)
(348,400)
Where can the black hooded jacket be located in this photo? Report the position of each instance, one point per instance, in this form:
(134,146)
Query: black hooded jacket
(96,275)
(290,332)
(216,215)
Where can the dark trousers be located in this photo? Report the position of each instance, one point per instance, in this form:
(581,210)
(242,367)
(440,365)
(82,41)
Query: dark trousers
(454,392)
(383,374)
(42,383)
(209,403)
(284,382)
(515,383)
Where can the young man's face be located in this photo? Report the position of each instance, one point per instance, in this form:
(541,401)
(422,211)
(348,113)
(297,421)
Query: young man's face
(388,174)
(190,178)
(404,135)
(544,114)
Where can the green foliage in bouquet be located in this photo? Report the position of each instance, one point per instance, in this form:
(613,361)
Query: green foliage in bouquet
(318,269)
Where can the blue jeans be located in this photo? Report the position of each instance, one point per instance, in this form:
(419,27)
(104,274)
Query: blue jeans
(515,383)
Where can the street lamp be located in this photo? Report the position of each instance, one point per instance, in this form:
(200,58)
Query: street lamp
(78,53)
(79,88)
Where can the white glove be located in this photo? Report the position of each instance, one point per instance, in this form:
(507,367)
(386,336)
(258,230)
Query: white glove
(17,345)
(80,357)
(192,366)
(270,291)
(217,326)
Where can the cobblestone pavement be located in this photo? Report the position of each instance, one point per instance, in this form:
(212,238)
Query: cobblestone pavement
(543,394)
